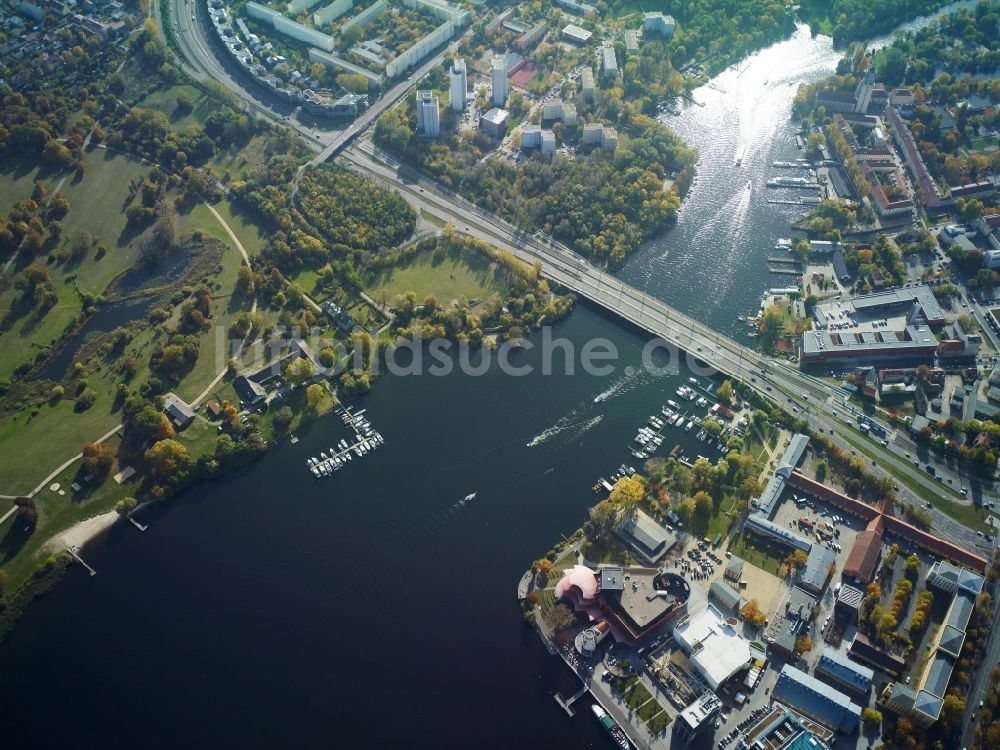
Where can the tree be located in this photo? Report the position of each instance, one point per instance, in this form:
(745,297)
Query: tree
(283,416)
(544,571)
(98,458)
(561,618)
(952,710)
(167,457)
(725,391)
(315,394)
(298,371)
(800,558)
(752,614)
(685,510)
(627,493)
(871,716)
(353,82)
(802,644)
(159,241)
(125,506)
(702,507)
(751,487)
(26,512)
(603,515)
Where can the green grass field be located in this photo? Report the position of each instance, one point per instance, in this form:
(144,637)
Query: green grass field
(755,554)
(448,279)
(165,100)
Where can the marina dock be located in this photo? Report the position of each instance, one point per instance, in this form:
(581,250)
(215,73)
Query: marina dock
(72,551)
(367,439)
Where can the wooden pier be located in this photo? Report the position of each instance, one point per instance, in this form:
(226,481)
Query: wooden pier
(567,703)
(138,525)
(72,551)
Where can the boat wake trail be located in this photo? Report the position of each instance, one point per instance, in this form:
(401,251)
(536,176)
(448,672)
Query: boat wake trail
(463,502)
(572,423)
(626,382)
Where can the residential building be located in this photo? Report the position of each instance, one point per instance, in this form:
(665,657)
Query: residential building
(290,28)
(576,35)
(494,122)
(338,63)
(532,36)
(458,85)
(178,410)
(428,114)
(927,190)
(632,37)
(659,23)
(817,700)
(370,13)
(548,145)
(498,73)
(330,13)
(297,6)
(420,49)
(609,60)
(559,110)
(573,6)
(444,11)
(587,82)
(594,133)
(842,673)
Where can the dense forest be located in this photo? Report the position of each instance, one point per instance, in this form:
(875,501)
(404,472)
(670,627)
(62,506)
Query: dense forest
(346,212)
(854,20)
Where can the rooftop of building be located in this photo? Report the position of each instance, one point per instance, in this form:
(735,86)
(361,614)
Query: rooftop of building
(817,569)
(842,668)
(817,699)
(645,535)
(714,645)
(496,116)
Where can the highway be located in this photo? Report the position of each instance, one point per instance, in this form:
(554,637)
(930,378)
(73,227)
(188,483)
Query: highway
(817,401)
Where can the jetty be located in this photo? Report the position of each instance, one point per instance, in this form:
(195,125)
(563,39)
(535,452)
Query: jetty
(141,527)
(72,551)
(366,440)
(567,703)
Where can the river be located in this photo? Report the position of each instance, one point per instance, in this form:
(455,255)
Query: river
(373,609)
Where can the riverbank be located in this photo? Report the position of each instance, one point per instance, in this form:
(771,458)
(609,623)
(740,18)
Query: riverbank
(82,532)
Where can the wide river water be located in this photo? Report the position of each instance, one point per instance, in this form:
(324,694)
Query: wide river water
(373,609)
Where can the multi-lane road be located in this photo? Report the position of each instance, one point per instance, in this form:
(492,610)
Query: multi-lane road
(815,400)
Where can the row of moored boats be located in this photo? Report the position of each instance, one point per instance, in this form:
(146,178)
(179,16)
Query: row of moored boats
(368,440)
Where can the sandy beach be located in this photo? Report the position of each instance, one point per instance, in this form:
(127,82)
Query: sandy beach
(81,533)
